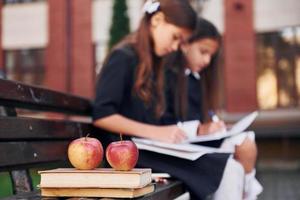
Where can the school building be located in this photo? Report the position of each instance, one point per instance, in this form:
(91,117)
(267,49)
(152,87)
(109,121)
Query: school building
(60,44)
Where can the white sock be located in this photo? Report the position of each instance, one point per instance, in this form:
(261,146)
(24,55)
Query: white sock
(252,187)
(232,183)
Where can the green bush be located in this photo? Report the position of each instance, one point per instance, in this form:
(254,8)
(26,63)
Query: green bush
(5,185)
(120,22)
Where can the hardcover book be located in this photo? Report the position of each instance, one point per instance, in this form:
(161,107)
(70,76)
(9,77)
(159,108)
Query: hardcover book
(97,178)
(97,192)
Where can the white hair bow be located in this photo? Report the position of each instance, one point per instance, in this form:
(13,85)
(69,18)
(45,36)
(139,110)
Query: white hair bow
(151,6)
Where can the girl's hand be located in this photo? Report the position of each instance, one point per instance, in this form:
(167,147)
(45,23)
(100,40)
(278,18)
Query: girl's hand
(211,127)
(170,134)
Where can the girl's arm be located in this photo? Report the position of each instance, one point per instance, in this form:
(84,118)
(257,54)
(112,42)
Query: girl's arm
(117,123)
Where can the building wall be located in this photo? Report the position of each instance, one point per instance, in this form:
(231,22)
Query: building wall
(22,21)
(70,60)
(25,25)
(269,15)
(239,57)
(102,13)
(239,50)
(213,10)
(57,76)
(82,65)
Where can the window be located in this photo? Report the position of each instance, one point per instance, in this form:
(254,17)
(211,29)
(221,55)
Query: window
(278,68)
(25,65)
(19,1)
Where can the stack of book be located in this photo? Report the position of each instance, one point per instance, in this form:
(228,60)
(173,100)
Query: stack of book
(102,182)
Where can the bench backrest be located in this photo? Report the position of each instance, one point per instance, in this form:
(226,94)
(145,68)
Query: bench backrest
(26,141)
(29,142)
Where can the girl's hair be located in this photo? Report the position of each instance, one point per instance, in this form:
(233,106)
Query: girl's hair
(176,12)
(204,30)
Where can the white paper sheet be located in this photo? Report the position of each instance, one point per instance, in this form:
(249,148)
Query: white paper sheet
(237,128)
(183,150)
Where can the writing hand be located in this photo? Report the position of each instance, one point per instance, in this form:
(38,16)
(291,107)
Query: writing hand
(211,127)
(171,134)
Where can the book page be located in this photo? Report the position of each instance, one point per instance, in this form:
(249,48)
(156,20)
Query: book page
(180,147)
(97,192)
(160,175)
(185,151)
(237,128)
(171,152)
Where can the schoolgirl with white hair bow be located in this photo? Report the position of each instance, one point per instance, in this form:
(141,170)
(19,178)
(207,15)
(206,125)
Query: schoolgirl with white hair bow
(130,94)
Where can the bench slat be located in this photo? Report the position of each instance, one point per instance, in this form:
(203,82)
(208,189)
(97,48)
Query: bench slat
(16,94)
(21,128)
(276,128)
(25,153)
(166,191)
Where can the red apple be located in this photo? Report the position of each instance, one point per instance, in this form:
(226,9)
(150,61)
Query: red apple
(85,153)
(122,155)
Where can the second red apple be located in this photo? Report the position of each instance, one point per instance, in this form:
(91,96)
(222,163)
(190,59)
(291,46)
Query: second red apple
(122,155)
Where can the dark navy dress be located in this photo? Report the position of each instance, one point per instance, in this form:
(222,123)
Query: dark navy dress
(115,95)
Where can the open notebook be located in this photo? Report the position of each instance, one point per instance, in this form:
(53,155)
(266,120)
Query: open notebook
(237,128)
(190,151)
(183,150)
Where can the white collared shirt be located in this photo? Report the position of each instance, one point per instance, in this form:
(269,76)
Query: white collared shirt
(196,75)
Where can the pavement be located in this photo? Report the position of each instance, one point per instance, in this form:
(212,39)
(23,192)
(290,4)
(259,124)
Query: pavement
(279,184)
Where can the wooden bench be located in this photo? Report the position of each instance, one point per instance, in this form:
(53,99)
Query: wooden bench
(27,141)
(278,135)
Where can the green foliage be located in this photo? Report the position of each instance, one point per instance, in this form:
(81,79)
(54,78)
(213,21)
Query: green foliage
(35,177)
(120,22)
(5,185)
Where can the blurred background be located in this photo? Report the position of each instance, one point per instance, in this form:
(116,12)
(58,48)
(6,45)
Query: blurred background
(61,44)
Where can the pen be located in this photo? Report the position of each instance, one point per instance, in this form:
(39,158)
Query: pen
(213,116)
(179,124)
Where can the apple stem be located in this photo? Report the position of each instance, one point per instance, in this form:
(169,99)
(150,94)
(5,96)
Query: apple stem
(87,136)
(121,138)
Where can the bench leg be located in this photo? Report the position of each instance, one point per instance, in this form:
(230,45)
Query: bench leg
(21,181)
